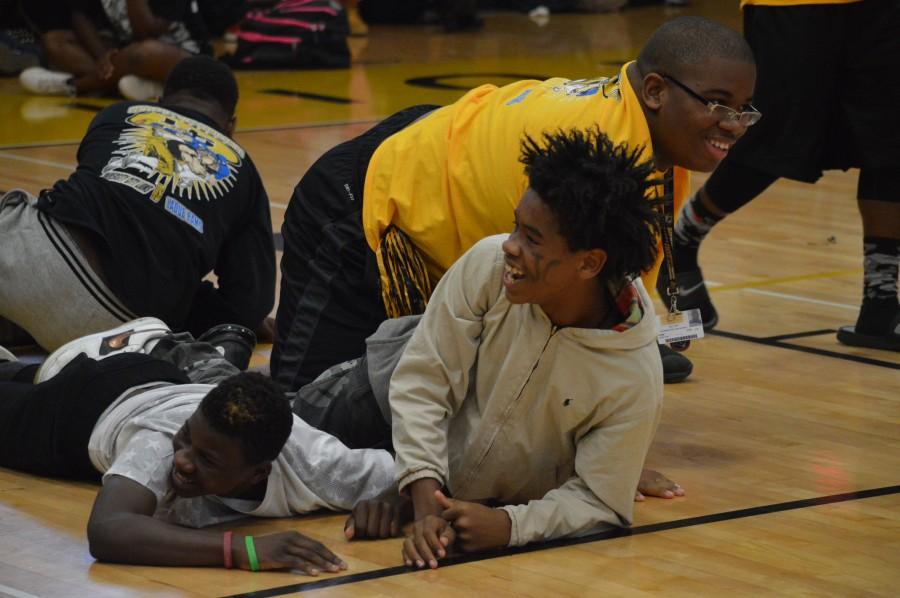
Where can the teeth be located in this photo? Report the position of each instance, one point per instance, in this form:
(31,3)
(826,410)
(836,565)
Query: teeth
(719,145)
(514,271)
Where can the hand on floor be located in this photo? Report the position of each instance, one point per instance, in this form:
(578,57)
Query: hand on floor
(653,483)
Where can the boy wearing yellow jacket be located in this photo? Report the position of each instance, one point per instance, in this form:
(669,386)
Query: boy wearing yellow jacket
(376,221)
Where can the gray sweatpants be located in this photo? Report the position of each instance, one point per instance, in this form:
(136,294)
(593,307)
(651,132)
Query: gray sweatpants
(46,284)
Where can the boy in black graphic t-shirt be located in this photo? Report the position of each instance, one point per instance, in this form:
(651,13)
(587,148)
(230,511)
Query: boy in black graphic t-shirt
(161,197)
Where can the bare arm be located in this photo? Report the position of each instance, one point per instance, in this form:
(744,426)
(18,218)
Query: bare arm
(122,529)
(144,23)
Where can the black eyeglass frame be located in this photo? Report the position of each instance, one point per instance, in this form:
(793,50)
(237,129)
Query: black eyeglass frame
(746,118)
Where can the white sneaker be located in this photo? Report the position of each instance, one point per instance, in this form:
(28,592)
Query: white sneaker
(5,355)
(43,81)
(139,89)
(137,336)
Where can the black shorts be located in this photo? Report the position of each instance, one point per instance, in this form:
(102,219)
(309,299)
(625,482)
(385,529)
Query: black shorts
(828,86)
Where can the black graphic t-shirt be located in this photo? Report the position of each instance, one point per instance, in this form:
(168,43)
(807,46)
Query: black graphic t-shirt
(170,199)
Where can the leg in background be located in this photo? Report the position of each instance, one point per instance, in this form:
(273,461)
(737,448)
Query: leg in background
(341,402)
(45,428)
(730,187)
(878,325)
(66,53)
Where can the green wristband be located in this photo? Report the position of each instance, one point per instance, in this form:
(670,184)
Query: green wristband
(251,553)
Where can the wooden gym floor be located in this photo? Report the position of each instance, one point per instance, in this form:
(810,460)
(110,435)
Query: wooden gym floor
(788,443)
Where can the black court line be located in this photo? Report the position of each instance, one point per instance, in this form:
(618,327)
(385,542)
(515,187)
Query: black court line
(608,535)
(325,125)
(84,106)
(439,81)
(308,96)
(783,337)
(768,341)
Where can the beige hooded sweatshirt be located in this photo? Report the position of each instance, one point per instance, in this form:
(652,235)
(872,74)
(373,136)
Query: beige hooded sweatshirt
(495,402)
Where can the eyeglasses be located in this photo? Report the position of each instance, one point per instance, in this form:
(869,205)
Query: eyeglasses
(746,118)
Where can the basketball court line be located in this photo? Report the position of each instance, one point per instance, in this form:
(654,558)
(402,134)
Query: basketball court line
(716,287)
(306,95)
(789,297)
(30,160)
(602,536)
(775,341)
(71,168)
(784,337)
(241,131)
(14,593)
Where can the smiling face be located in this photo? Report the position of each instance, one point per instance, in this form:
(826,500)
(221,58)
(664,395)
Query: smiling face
(207,462)
(684,131)
(540,268)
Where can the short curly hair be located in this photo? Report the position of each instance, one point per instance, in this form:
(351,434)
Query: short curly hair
(252,409)
(204,78)
(689,41)
(598,193)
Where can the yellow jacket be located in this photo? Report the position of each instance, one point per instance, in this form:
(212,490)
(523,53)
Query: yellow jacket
(454,177)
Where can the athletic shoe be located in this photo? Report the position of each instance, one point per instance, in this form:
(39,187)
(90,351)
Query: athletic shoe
(5,355)
(139,89)
(676,367)
(889,341)
(692,294)
(234,342)
(43,81)
(137,336)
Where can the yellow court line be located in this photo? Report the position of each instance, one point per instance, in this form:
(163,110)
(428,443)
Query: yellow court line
(787,279)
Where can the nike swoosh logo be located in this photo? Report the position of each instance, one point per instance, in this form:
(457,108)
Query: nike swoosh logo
(116,342)
(689,290)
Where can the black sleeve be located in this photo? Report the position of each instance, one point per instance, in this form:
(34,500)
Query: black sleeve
(245,270)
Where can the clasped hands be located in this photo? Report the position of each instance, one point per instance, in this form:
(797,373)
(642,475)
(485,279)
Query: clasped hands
(453,524)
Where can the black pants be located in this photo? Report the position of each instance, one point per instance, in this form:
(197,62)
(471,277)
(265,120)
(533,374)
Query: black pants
(45,428)
(330,291)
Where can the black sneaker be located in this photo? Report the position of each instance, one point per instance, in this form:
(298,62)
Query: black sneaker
(692,294)
(870,335)
(233,341)
(676,367)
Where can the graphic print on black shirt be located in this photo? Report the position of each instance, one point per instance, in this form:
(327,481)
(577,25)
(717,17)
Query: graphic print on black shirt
(167,154)
(169,198)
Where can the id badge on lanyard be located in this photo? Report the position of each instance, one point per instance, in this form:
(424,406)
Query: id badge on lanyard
(676,329)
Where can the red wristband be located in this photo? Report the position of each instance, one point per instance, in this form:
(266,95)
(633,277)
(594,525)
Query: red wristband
(226,549)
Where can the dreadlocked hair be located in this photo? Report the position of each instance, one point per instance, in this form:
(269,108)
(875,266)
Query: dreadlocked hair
(598,193)
(252,409)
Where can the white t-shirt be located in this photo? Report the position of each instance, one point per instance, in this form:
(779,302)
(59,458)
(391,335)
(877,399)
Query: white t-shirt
(133,439)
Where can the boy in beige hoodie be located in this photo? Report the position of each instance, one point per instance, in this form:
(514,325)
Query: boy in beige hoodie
(532,382)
